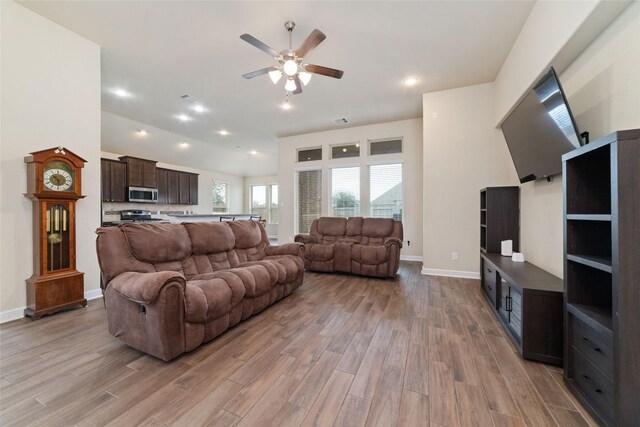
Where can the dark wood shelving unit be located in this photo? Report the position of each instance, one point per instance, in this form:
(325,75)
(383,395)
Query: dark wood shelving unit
(602,276)
(528,303)
(499,218)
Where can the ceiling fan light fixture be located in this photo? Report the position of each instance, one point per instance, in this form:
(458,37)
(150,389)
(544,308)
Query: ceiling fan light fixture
(275,76)
(304,77)
(291,85)
(290,67)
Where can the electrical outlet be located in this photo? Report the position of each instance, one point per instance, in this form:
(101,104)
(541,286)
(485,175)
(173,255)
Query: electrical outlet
(455,256)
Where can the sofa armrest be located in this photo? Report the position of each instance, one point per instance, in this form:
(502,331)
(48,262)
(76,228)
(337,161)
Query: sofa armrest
(305,238)
(388,241)
(144,288)
(296,249)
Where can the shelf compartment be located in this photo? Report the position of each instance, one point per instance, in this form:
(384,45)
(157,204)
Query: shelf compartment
(599,262)
(588,182)
(589,217)
(483,199)
(589,287)
(596,317)
(589,239)
(483,217)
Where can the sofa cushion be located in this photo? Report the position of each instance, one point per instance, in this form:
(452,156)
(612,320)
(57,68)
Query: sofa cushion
(369,254)
(331,226)
(247,234)
(318,252)
(354,226)
(156,243)
(289,266)
(377,227)
(212,295)
(210,237)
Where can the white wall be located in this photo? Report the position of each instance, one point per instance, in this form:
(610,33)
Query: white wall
(463,153)
(603,89)
(50,96)
(205,195)
(272,229)
(409,130)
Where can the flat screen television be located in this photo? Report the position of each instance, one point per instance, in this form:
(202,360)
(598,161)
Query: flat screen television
(540,130)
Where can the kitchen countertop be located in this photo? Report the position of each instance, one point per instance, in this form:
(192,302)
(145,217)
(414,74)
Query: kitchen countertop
(208,214)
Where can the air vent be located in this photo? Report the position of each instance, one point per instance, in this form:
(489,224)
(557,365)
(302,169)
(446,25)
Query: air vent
(190,99)
(341,121)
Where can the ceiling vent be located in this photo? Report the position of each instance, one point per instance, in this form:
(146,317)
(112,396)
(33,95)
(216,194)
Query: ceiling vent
(341,121)
(190,99)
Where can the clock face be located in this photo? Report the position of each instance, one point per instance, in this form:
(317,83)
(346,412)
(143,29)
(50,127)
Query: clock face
(58,176)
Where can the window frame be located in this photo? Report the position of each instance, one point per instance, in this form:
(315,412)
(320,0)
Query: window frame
(346,144)
(330,187)
(373,141)
(298,150)
(227,194)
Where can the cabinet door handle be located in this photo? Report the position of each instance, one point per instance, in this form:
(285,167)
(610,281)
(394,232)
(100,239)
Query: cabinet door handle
(489,287)
(594,348)
(489,270)
(508,303)
(588,378)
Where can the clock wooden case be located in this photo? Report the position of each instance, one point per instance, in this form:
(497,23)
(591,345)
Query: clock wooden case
(54,184)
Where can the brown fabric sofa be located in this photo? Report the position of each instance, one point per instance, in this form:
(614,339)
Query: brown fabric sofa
(366,246)
(170,287)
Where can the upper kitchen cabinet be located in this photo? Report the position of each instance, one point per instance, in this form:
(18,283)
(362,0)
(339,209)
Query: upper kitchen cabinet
(113,180)
(140,172)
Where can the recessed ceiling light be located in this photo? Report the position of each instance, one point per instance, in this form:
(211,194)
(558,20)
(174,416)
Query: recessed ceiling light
(184,144)
(285,105)
(121,92)
(254,152)
(223,132)
(142,132)
(183,117)
(410,81)
(199,108)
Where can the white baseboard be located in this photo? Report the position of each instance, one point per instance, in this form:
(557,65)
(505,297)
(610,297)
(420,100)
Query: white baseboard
(9,315)
(411,258)
(450,273)
(18,313)
(93,294)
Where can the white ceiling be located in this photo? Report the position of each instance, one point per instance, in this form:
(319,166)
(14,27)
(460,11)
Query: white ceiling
(159,51)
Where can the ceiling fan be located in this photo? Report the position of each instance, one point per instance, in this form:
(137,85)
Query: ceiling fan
(291,62)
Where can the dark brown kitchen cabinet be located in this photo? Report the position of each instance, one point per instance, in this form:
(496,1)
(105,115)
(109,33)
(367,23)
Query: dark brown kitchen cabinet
(183,188)
(163,185)
(193,189)
(140,172)
(172,187)
(113,180)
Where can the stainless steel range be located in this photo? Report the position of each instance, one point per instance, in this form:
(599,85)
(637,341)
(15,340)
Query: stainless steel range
(137,215)
(134,215)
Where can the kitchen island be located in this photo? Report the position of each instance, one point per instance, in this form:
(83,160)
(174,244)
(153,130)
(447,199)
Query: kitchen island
(178,218)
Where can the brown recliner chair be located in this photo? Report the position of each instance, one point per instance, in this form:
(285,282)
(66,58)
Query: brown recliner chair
(366,246)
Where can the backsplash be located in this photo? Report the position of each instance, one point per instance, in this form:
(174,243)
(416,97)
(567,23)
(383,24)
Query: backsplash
(111,211)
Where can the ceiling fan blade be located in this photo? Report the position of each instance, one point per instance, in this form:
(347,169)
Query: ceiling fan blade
(298,85)
(257,43)
(329,72)
(259,72)
(314,39)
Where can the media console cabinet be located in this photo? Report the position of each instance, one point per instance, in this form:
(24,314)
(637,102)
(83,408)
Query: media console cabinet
(528,301)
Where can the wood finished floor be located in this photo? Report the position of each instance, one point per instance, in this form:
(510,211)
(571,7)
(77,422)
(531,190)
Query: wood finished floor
(341,351)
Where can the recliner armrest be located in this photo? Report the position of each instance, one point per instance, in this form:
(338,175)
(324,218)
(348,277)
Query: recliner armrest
(388,241)
(296,249)
(144,288)
(305,238)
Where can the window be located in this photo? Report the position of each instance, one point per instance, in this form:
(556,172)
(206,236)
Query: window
(309,198)
(273,211)
(387,146)
(345,191)
(220,197)
(346,150)
(264,202)
(310,154)
(259,200)
(385,185)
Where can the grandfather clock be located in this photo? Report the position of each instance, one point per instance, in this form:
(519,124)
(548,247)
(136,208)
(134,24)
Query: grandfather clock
(54,186)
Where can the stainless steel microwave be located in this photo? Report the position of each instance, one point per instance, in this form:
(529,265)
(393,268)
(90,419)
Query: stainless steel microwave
(143,195)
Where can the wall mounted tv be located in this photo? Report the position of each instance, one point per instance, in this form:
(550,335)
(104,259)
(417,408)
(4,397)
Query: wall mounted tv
(540,130)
